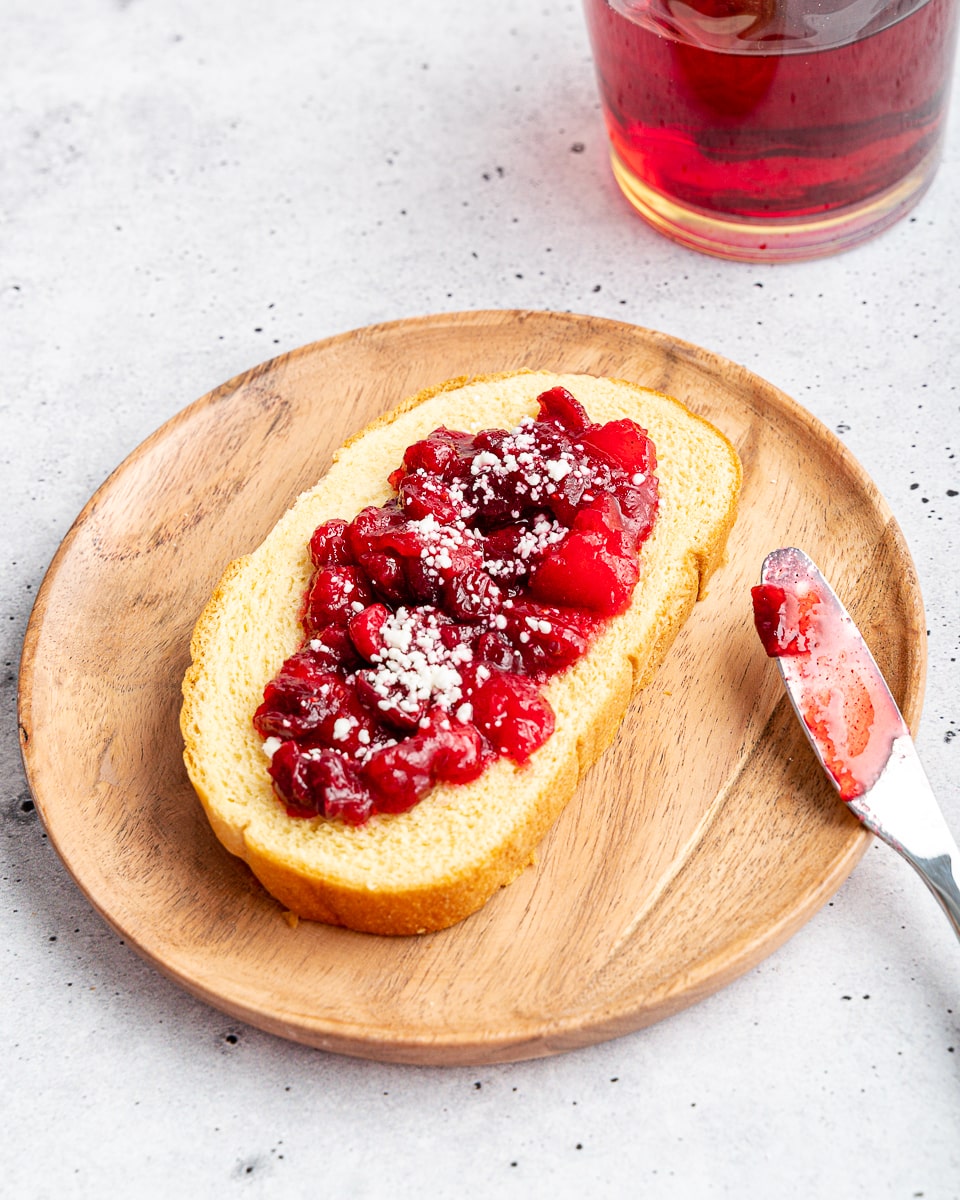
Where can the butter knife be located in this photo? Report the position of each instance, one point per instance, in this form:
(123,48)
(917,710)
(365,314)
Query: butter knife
(852,720)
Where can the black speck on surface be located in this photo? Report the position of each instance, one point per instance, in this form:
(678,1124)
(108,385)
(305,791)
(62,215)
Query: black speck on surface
(246,1167)
(20,810)
(577,148)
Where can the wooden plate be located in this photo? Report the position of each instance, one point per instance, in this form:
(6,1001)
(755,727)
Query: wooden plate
(700,842)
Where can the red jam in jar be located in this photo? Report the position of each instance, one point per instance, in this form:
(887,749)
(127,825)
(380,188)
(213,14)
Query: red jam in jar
(431,621)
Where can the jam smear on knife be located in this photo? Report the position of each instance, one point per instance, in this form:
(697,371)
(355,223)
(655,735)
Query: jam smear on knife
(840,692)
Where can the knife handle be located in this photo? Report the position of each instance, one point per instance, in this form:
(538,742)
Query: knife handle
(902,811)
(940,876)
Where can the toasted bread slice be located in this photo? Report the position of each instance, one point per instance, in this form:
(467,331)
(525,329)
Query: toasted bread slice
(429,867)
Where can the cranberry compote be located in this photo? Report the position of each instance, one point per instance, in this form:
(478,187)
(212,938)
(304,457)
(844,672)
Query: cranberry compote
(431,621)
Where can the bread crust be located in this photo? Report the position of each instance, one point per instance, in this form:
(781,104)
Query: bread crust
(474,838)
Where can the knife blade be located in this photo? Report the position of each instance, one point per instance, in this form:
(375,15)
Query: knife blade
(851,719)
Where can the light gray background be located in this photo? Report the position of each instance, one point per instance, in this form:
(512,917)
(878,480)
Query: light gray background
(188,189)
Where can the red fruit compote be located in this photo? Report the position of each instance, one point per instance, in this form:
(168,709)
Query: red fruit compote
(773,128)
(430,622)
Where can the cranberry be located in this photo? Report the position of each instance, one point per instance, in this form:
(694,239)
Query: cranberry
(324,711)
(493,648)
(288,771)
(381,530)
(639,503)
(501,555)
(546,639)
(513,550)
(594,567)
(580,488)
(331,649)
(295,707)
(438,562)
(623,443)
(328,545)
(471,596)
(558,405)
(400,775)
(320,782)
(311,666)
(364,629)
(386,575)
(390,704)
(453,635)
(510,712)
(425,496)
(332,597)
(423,584)
(460,752)
(344,793)
(441,454)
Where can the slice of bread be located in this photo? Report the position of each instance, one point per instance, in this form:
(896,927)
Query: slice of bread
(429,867)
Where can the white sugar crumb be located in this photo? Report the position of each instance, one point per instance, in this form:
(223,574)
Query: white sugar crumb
(342,727)
(271,745)
(484,461)
(557,469)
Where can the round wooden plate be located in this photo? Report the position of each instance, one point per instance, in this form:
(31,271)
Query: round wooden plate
(699,843)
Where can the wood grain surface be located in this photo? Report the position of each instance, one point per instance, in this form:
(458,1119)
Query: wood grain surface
(699,843)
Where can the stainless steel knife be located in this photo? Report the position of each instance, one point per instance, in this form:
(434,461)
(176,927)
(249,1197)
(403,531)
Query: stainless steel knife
(852,720)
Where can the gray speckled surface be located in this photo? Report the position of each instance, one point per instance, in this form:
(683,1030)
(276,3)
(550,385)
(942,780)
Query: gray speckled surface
(187,190)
